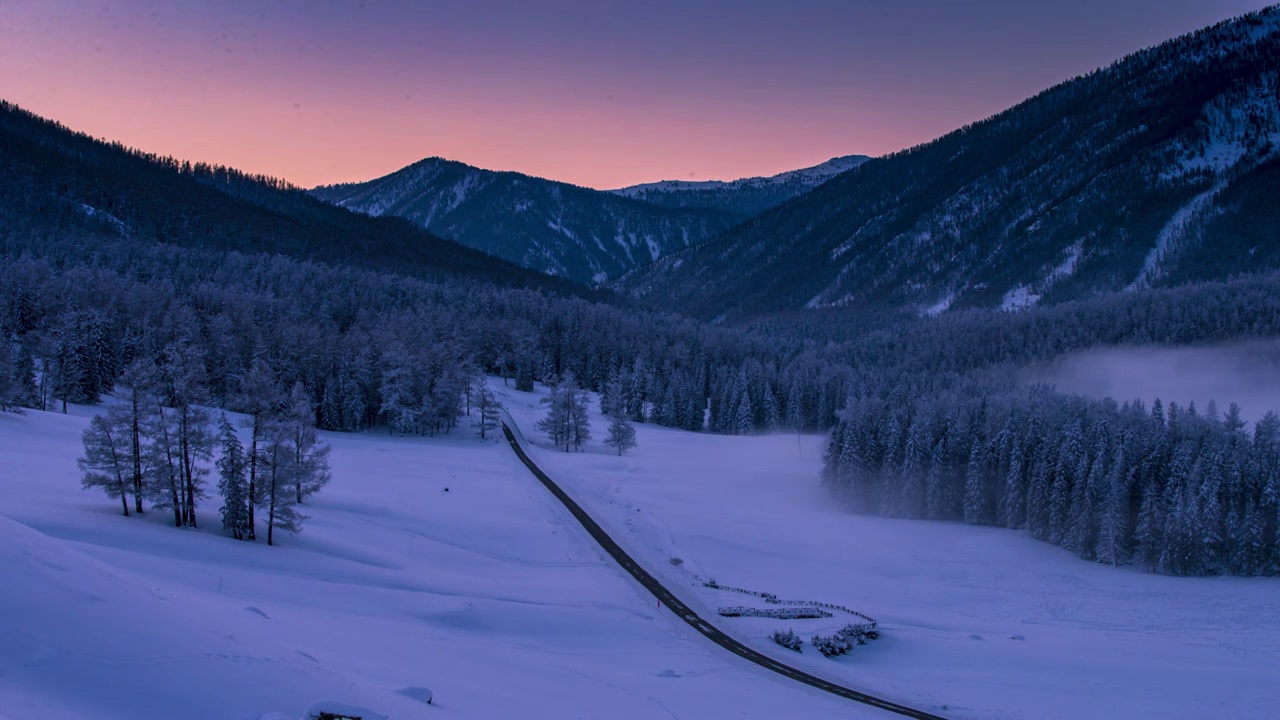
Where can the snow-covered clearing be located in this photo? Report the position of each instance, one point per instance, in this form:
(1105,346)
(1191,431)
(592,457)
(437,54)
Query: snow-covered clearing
(488,595)
(984,621)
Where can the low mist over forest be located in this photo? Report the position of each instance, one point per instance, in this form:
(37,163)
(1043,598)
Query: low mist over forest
(1246,373)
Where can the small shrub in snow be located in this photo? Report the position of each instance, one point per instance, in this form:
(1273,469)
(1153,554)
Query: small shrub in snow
(831,645)
(677,561)
(859,633)
(788,640)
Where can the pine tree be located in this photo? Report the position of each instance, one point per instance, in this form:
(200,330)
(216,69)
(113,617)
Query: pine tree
(975,512)
(1013,501)
(1114,521)
(1150,531)
(910,499)
(555,425)
(621,435)
(579,419)
(1039,493)
(233,483)
(10,390)
(105,463)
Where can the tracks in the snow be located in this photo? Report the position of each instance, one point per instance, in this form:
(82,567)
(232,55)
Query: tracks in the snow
(684,612)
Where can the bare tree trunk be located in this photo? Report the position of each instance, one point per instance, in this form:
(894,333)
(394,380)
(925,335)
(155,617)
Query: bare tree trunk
(173,486)
(271,508)
(115,462)
(297,459)
(253,474)
(137,455)
(188,470)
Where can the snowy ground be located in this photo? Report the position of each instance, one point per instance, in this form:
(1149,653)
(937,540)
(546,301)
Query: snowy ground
(489,595)
(494,599)
(1095,641)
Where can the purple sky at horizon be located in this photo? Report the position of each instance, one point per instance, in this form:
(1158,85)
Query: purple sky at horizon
(599,94)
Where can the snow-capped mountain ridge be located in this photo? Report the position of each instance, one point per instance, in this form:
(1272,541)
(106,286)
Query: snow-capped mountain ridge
(1161,169)
(816,175)
(745,196)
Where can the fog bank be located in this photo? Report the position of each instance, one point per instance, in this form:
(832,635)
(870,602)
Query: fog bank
(1244,373)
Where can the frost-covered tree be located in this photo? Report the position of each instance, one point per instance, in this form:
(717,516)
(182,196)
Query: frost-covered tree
(579,421)
(105,464)
(280,477)
(233,483)
(183,386)
(139,379)
(974,486)
(259,396)
(311,456)
(555,424)
(489,408)
(621,435)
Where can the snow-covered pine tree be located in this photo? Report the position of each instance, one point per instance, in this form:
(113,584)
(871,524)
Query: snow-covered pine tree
(621,435)
(1039,491)
(105,464)
(233,482)
(579,415)
(1013,501)
(524,372)
(975,501)
(1149,534)
(1113,527)
(555,423)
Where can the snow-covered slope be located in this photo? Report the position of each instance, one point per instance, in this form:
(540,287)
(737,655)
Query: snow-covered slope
(487,595)
(984,622)
(746,196)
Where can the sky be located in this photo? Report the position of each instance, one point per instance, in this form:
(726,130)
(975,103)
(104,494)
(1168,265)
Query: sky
(601,94)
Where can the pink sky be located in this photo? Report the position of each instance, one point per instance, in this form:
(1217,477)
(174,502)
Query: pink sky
(597,94)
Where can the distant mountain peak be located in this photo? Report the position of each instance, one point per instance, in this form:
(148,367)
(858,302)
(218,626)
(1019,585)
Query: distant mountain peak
(562,229)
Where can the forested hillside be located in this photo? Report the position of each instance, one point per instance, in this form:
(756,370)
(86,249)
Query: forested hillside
(1156,171)
(53,180)
(586,235)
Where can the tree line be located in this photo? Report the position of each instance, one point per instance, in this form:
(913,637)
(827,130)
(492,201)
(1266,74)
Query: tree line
(1176,490)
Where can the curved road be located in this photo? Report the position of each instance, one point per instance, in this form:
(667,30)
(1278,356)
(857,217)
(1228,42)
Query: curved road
(687,614)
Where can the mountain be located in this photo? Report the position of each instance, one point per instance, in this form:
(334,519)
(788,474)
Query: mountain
(56,181)
(1159,170)
(560,229)
(745,197)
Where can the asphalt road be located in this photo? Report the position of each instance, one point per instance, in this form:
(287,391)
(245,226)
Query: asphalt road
(684,612)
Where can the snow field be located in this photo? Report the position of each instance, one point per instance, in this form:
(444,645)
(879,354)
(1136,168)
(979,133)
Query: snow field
(488,595)
(1091,640)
